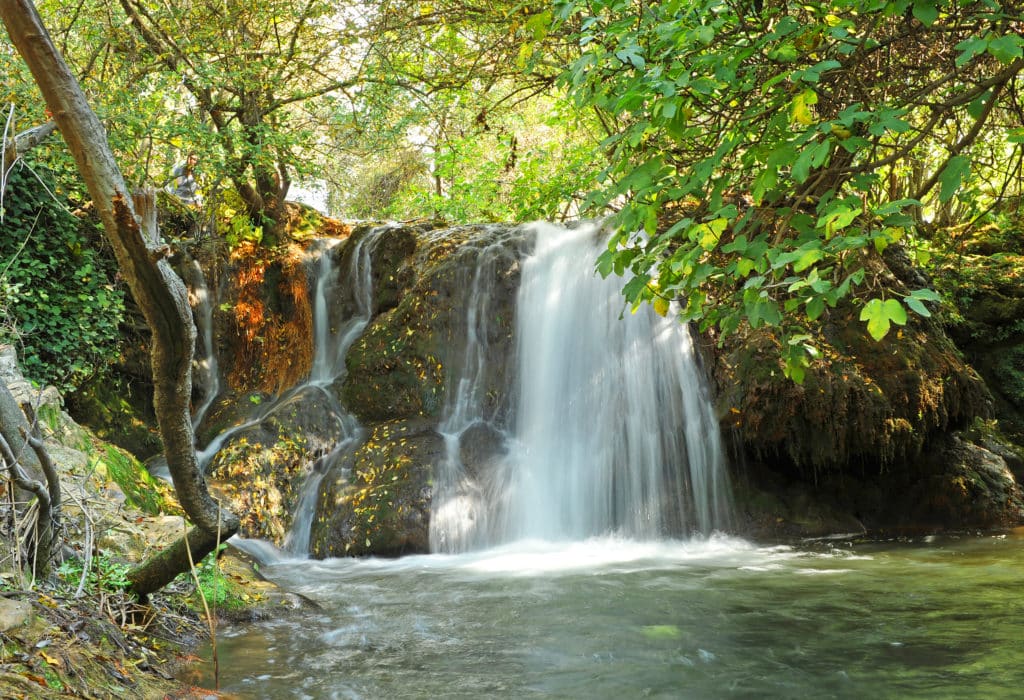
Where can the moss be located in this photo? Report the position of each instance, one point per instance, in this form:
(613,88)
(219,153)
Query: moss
(118,409)
(862,402)
(142,490)
(377,501)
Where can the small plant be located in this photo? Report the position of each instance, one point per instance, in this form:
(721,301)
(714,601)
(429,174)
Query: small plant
(213,586)
(104,574)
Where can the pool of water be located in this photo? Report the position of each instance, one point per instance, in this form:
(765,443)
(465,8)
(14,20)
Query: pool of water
(617,619)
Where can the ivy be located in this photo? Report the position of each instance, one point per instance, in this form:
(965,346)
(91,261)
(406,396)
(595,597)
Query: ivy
(60,302)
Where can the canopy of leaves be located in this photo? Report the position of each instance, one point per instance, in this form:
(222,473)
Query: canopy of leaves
(759,151)
(754,153)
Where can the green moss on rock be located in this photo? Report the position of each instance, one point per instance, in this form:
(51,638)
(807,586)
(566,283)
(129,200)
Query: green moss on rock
(376,499)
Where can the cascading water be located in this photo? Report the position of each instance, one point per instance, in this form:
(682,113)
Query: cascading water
(329,349)
(613,430)
(459,514)
(331,345)
(206,373)
(606,429)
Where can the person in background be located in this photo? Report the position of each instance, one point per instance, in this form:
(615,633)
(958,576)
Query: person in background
(186,187)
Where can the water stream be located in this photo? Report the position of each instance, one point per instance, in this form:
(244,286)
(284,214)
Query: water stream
(206,371)
(612,428)
(555,577)
(610,618)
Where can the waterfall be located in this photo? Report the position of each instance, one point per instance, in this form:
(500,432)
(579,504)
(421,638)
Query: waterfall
(459,514)
(330,345)
(206,373)
(329,349)
(613,430)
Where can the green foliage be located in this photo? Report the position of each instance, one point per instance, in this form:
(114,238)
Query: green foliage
(214,587)
(518,170)
(233,224)
(758,159)
(104,575)
(57,289)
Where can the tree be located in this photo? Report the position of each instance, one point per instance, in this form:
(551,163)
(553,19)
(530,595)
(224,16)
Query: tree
(160,294)
(248,68)
(760,152)
(455,113)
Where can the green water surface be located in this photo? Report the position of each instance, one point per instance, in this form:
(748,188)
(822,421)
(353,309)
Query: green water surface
(607,618)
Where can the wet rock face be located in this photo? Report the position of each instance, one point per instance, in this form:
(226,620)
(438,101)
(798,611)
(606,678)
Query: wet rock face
(399,367)
(965,486)
(401,373)
(260,469)
(376,499)
(481,447)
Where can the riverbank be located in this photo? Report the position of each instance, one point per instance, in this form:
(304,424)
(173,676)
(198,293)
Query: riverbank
(73,631)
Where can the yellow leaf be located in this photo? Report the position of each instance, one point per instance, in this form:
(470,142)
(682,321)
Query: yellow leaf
(801,107)
(660,305)
(841,131)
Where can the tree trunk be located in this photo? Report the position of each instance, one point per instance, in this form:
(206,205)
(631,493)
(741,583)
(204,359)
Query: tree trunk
(42,540)
(12,423)
(159,292)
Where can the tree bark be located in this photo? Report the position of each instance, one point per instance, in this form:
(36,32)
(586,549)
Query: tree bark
(159,292)
(25,141)
(12,423)
(41,541)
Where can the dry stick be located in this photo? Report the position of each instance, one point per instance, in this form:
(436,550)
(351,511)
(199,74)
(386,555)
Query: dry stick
(22,480)
(87,545)
(210,622)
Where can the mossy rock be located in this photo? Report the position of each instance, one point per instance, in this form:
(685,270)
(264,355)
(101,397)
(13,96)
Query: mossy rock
(960,485)
(398,368)
(119,409)
(261,469)
(862,403)
(989,326)
(376,498)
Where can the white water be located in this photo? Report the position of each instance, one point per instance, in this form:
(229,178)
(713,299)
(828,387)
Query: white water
(459,520)
(329,349)
(206,372)
(330,345)
(614,431)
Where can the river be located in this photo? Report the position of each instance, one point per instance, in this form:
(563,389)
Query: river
(608,618)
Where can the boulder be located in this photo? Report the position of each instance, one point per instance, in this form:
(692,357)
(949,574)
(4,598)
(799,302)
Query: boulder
(960,485)
(14,613)
(376,498)
(260,468)
(397,369)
